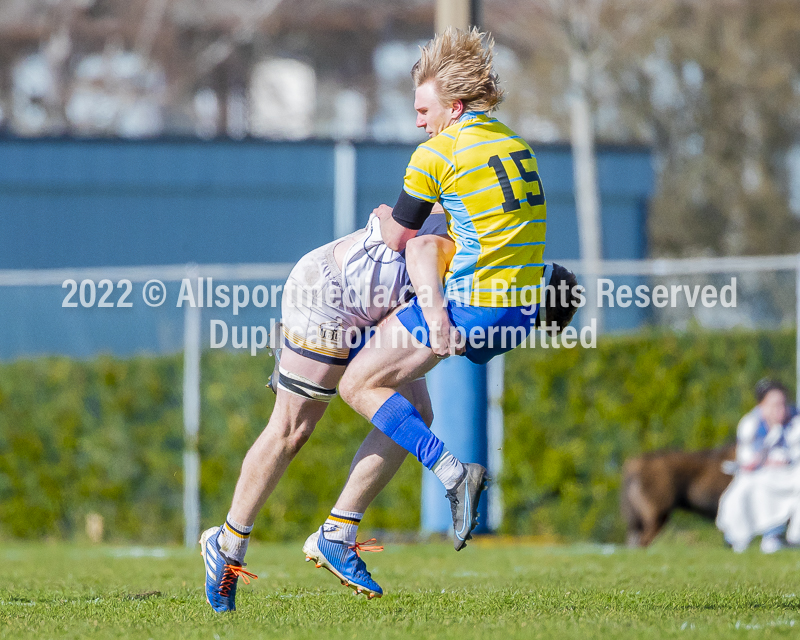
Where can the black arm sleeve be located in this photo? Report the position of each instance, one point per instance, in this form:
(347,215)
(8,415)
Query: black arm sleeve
(409,212)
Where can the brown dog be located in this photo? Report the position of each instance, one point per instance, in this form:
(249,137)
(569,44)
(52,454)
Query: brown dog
(656,483)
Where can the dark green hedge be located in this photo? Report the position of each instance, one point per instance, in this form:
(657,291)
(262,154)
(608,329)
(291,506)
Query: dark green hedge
(105,436)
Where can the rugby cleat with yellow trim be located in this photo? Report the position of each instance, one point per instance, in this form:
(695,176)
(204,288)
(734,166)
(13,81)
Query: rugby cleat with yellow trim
(222,574)
(343,561)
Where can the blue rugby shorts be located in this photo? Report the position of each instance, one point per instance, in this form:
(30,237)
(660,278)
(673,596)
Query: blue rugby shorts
(490,331)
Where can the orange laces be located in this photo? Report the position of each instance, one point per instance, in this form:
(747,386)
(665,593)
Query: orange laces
(230,573)
(366,546)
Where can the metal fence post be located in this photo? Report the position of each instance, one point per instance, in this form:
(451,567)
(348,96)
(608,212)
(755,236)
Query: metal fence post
(344,189)
(191,418)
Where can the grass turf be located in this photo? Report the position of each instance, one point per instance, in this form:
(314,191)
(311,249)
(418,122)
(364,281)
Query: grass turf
(494,588)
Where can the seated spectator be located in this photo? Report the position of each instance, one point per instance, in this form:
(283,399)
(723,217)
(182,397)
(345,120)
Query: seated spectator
(765,492)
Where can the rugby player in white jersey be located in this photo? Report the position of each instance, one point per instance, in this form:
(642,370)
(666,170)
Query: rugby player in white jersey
(332,295)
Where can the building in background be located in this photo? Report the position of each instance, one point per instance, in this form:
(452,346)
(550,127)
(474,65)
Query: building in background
(712,88)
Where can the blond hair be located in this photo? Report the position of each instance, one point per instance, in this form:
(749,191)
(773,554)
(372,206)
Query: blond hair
(460,65)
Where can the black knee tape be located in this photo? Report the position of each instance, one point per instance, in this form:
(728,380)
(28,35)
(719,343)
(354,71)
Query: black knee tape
(303,387)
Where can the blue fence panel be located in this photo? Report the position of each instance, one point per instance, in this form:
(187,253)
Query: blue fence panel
(95,203)
(72,203)
(379,175)
(34,322)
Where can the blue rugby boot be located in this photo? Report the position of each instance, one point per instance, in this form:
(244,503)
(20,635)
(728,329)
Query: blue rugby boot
(464,499)
(222,574)
(343,561)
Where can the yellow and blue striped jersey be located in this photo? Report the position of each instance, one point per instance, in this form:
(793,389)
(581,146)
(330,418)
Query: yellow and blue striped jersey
(487,179)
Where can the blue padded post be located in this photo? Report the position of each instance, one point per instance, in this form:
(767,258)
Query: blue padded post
(459,398)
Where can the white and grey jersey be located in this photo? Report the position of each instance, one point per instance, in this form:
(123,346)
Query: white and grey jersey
(374,278)
(322,303)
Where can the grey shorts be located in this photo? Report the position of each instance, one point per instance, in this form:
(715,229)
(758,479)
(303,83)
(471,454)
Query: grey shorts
(316,323)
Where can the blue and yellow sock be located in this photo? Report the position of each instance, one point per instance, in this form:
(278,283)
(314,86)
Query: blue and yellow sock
(342,525)
(233,539)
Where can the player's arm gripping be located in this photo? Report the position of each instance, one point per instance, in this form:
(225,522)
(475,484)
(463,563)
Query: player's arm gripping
(393,233)
(427,259)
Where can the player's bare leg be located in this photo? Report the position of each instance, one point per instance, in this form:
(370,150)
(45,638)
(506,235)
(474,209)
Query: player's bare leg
(334,545)
(291,424)
(379,458)
(393,357)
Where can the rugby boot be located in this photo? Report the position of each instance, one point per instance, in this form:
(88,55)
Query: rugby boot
(222,574)
(464,499)
(344,561)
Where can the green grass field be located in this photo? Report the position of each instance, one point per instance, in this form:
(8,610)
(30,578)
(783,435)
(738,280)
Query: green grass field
(493,589)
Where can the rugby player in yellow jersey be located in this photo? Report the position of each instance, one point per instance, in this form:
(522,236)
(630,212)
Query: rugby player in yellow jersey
(486,178)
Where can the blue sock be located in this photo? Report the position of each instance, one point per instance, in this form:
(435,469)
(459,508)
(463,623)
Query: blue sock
(399,420)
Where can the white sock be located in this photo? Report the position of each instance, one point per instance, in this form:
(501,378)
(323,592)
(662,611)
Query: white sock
(233,539)
(342,525)
(448,469)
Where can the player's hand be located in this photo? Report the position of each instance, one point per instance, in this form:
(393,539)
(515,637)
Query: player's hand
(458,341)
(382,211)
(446,340)
(439,327)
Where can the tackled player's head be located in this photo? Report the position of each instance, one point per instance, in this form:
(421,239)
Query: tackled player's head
(561,300)
(458,66)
